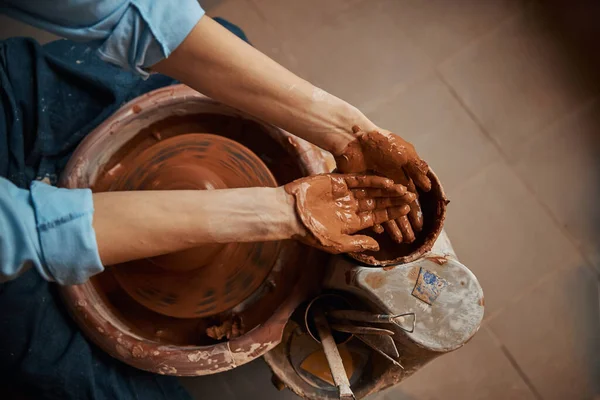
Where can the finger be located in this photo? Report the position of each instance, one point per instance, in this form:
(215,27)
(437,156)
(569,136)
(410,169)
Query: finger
(409,197)
(382,202)
(390,214)
(415,216)
(359,243)
(397,212)
(394,191)
(339,187)
(369,218)
(405,228)
(418,174)
(392,229)
(368,181)
(377,228)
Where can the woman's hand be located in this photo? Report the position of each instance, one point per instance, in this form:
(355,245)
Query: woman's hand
(332,207)
(391,156)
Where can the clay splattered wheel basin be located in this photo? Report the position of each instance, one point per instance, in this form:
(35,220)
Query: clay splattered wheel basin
(210,279)
(139,336)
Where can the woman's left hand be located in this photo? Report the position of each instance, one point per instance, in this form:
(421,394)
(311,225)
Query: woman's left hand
(332,207)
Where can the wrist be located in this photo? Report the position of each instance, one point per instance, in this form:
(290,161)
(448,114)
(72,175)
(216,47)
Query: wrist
(349,117)
(285,203)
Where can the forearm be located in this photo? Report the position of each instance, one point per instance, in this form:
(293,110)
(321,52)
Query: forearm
(218,64)
(133,225)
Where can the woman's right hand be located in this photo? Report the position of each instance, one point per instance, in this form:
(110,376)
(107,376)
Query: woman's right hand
(391,156)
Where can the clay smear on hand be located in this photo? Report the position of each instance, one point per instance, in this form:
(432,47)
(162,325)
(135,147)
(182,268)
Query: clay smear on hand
(391,156)
(333,206)
(387,154)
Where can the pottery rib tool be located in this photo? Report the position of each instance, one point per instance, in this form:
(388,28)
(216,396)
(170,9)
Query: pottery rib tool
(366,316)
(360,330)
(333,355)
(383,345)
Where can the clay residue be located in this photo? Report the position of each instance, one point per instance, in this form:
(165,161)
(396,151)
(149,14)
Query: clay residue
(375,280)
(439,260)
(230,329)
(413,274)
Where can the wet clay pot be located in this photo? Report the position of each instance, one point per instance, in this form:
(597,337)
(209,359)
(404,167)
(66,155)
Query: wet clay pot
(106,307)
(433,206)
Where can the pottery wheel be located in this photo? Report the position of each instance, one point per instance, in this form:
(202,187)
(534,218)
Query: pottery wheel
(210,279)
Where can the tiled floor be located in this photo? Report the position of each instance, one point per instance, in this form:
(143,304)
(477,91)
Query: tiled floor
(508,114)
(510,120)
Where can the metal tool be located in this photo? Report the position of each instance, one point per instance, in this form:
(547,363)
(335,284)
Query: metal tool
(366,316)
(333,355)
(383,345)
(361,330)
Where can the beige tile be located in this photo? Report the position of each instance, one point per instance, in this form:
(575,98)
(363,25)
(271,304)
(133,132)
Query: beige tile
(359,54)
(501,233)
(479,370)
(562,167)
(517,79)
(554,335)
(441,27)
(260,32)
(207,5)
(427,115)
(298,18)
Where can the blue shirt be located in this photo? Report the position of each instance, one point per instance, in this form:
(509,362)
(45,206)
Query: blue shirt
(134,34)
(48,228)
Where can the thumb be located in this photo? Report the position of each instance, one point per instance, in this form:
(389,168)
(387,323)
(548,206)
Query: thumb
(360,243)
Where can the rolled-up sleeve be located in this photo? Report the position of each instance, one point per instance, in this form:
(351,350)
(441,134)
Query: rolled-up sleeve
(134,34)
(49,229)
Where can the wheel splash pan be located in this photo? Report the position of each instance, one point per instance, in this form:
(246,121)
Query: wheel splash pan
(167,345)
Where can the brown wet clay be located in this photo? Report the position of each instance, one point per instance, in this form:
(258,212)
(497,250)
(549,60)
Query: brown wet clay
(206,280)
(433,204)
(439,260)
(328,207)
(231,328)
(391,156)
(163,344)
(383,153)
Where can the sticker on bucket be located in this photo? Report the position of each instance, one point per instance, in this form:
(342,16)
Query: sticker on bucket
(428,286)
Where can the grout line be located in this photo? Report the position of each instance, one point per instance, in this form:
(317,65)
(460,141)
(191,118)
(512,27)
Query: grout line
(520,372)
(566,234)
(284,48)
(525,293)
(513,362)
(470,113)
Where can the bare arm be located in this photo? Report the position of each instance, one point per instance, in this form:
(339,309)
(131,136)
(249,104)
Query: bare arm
(138,224)
(322,210)
(220,65)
